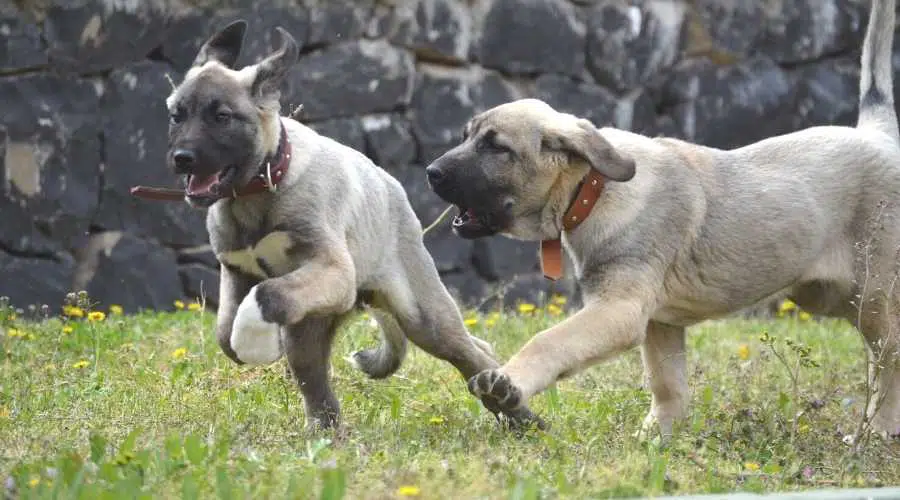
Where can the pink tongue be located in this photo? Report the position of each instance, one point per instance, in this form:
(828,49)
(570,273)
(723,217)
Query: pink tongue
(201,185)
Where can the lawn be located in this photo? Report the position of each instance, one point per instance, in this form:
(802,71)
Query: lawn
(147,406)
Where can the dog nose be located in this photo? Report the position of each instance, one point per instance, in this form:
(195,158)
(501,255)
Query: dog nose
(435,175)
(184,159)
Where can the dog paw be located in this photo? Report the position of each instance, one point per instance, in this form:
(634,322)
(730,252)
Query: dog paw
(501,397)
(254,340)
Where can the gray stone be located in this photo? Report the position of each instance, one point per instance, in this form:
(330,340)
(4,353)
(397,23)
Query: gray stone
(445,100)
(351,78)
(733,26)
(389,140)
(201,284)
(35,281)
(436,30)
(804,30)
(734,106)
(347,131)
(136,274)
(533,36)
(333,21)
(21,46)
(827,94)
(51,159)
(466,287)
(90,36)
(134,147)
(585,100)
(500,258)
(629,45)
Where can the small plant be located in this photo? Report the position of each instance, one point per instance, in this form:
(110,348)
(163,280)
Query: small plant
(803,359)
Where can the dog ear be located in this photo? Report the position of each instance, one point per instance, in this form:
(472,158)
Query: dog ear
(584,141)
(225,46)
(271,71)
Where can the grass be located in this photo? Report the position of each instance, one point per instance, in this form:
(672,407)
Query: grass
(146,406)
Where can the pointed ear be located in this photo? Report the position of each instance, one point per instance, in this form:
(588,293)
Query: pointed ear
(224,46)
(271,71)
(584,141)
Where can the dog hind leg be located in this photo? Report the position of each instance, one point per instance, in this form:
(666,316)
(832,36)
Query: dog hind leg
(307,346)
(665,367)
(383,360)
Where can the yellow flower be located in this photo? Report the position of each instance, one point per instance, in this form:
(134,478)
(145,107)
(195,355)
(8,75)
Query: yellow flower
(751,466)
(194,306)
(409,491)
(4,412)
(554,310)
(803,429)
(13,333)
(116,309)
(489,322)
(179,353)
(73,311)
(804,316)
(179,304)
(471,321)
(436,420)
(787,306)
(96,316)
(526,308)
(559,300)
(11,317)
(34,482)
(743,351)
(81,364)
(30,336)
(67,330)
(126,345)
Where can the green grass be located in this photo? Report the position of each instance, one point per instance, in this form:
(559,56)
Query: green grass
(107,411)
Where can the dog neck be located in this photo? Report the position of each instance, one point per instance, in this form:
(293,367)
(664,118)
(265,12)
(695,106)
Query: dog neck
(272,171)
(578,210)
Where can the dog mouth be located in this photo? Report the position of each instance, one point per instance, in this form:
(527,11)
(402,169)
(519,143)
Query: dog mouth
(211,186)
(470,224)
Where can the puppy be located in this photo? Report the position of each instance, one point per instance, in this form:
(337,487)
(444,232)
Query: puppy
(664,233)
(305,230)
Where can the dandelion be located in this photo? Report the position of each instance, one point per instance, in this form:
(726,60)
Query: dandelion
(559,300)
(786,307)
(96,316)
(194,306)
(471,321)
(179,305)
(73,311)
(751,466)
(490,322)
(436,420)
(4,412)
(409,491)
(116,310)
(179,353)
(81,364)
(804,316)
(67,330)
(11,317)
(743,351)
(14,333)
(33,482)
(554,310)
(526,308)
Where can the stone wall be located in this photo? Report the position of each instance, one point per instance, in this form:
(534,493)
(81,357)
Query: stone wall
(82,85)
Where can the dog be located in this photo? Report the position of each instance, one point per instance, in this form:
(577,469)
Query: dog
(307,231)
(663,233)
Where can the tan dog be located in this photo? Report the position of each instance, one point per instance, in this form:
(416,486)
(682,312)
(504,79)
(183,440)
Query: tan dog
(305,229)
(681,232)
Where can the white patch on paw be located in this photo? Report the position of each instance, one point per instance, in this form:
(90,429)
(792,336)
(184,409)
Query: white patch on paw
(254,340)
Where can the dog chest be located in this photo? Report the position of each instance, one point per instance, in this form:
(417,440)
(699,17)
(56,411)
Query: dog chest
(268,258)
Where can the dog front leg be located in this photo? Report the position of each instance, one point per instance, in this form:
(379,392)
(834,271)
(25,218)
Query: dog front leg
(325,285)
(601,330)
(232,288)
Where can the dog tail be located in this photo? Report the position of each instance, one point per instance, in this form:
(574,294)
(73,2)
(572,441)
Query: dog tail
(383,360)
(876,86)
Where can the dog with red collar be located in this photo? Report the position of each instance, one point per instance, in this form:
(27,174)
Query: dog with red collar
(306,231)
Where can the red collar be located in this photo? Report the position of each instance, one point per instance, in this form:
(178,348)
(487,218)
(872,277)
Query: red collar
(271,173)
(578,211)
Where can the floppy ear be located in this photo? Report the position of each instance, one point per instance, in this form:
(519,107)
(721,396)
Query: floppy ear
(271,71)
(584,141)
(224,46)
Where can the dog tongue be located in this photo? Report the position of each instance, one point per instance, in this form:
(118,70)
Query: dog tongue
(201,185)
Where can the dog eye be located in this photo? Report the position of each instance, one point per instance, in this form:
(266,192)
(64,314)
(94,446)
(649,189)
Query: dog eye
(177,116)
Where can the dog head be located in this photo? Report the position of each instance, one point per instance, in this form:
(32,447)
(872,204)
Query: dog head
(224,122)
(515,161)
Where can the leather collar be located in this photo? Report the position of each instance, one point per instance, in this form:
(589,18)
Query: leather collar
(271,173)
(578,211)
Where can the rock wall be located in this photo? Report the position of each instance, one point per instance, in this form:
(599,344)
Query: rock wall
(83,83)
